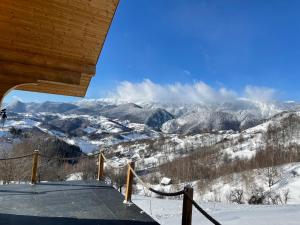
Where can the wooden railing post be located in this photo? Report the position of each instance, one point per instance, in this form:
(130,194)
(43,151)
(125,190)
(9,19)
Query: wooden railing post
(34,166)
(129,182)
(187,207)
(100,166)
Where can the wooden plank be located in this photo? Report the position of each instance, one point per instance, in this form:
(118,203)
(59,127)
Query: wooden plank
(79,51)
(45,15)
(51,88)
(46,61)
(43,89)
(77,37)
(10,70)
(7,80)
(60,89)
(60,9)
(6,85)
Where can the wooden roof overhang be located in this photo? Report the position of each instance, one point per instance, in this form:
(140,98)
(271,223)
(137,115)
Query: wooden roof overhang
(52,46)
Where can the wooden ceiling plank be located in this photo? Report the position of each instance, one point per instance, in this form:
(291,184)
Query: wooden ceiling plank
(55,53)
(21,80)
(45,42)
(72,51)
(63,90)
(40,73)
(80,8)
(65,32)
(81,47)
(54,21)
(52,46)
(48,9)
(106,5)
(46,61)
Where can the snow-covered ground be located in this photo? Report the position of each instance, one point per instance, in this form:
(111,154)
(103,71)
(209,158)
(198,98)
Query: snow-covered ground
(168,212)
(75,176)
(285,182)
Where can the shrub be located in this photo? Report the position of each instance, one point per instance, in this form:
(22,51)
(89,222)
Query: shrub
(236,196)
(257,196)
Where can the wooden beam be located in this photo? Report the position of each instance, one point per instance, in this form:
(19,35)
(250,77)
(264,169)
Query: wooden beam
(58,89)
(46,61)
(11,84)
(11,70)
(3,92)
(6,87)
(7,81)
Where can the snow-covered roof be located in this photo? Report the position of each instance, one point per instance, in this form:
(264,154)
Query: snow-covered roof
(166,181)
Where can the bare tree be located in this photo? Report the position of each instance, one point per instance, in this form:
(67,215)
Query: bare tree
(271,174)
(286,196)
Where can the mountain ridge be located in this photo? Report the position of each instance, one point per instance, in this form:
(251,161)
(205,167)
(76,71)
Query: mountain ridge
(180,118)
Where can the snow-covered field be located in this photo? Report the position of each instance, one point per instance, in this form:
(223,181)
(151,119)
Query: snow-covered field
(168,212)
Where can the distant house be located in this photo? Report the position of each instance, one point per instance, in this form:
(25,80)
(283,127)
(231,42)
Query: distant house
(166,181)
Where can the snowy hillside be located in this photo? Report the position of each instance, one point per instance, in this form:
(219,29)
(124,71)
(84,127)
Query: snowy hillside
(168,212)
(201,122)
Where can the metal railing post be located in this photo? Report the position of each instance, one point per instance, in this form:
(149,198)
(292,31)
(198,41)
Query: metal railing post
(187,207)
(129,182)
(34,166)
(100,166)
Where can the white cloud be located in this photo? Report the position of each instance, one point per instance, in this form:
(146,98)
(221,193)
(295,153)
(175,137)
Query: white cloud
(260,93)
(198,92)
(16,98)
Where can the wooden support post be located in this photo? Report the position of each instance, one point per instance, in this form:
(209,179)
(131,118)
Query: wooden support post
(187,207)
(100,166)
(129,183)
(34,166)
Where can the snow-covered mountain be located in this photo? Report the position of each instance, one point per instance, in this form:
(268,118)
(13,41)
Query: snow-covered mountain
(93,123)
(168,117)
(202,122)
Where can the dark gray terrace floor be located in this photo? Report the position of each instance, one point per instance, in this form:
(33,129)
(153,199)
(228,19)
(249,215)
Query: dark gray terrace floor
(66,203)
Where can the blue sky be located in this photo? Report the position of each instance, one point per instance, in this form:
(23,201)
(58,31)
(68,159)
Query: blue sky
(230,45)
